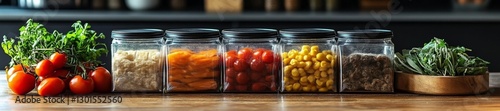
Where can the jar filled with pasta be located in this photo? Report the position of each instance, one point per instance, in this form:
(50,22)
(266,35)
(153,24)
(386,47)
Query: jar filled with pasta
(308,60)
(137,60)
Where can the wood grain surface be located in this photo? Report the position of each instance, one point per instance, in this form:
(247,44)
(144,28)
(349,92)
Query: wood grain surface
(442,85)
(263,102)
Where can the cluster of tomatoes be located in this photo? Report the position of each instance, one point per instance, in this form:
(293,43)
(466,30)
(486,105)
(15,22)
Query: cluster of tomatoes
(250,70)
(52,78)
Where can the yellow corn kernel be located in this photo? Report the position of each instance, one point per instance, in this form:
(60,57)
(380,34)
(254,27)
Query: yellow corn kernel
(321,56)
(291,55)
(324,79)
(316,65)
(303,79)
(313,53)
(288,69)
(286,61)
(304,84)
(284,55)
(323,74)
(329,57)
(317,74)
(315,48)
(302,64)
(288,87)
(298,57)
(295,72)
(308,65)
(286,80)
(294,63)
(309,71)
(324,64)
(306,57)
(296,79)
(326,52)
(302,71)
(313,88)
(306,89)
(322,89)
(311,79)
(320,83)
(296,86)
(329,83)
(305,47)
(330,71)
(323,69)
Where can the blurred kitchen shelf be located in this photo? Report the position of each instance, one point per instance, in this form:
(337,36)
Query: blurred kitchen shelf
(15,14)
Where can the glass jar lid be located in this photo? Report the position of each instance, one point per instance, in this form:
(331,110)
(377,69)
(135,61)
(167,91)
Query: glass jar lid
(137,33)
(248,33)
(366,34)
(192,33)
(307,33)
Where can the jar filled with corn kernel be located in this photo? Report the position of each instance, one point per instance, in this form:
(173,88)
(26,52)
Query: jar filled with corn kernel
(309,60)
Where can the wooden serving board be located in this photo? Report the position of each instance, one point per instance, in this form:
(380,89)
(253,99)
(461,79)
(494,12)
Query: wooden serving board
(442,85)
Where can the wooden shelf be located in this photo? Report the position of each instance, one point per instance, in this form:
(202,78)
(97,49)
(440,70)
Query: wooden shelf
(265,102)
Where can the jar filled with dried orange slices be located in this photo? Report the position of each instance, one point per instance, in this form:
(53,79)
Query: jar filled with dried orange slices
(193,60)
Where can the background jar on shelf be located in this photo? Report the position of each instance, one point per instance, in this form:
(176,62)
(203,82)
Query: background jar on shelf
(137,60)
(193,61)
(251,63)
(366,61)
(309,60)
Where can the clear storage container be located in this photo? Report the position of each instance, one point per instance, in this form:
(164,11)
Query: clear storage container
(251,63)
(193,61)
(309,60)
(366,61)
(137,60)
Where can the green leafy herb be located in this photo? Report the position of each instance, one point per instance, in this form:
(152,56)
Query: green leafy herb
(437,58)
(35,43)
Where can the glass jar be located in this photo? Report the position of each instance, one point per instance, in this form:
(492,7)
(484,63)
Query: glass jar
(366,61)
(193,60)
(250,60)
(137,60)
(309,60)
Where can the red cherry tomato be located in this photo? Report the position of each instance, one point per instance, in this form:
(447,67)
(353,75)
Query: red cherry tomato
(78,85)
(258,86)
(230,80)
(245,53)
(232,53)
(230,61)
(257,54)
(13,70)
(230,87)
(21,83)
(102,80)
(242,78)
(255,76)
(44,68)
(59,60)
(240,65)
(257,65)
(51,86)
(61,73)
(269,78)
(268,57)
(241,88)
(230,72)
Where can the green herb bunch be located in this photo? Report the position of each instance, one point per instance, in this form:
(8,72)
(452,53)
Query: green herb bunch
(437,58)
(35,43)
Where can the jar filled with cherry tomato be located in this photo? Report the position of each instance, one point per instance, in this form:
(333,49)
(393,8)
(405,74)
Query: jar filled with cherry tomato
(251,63)
(308,60)
(137,60)
(193,60)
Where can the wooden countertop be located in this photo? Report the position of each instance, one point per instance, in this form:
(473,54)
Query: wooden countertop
(264,102)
